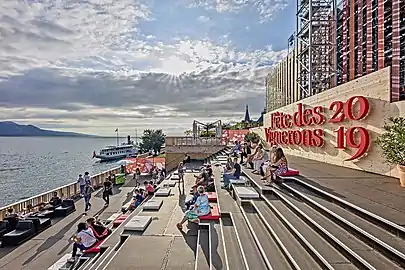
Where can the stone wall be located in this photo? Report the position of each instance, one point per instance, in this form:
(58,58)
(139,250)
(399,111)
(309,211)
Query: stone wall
(376,88)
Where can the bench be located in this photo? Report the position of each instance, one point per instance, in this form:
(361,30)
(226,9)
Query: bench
(67,207)
(213,215)
(290,172)
(212,196)
(25,229)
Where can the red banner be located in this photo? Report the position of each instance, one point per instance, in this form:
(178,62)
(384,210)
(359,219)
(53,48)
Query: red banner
(144,164)
(234,135)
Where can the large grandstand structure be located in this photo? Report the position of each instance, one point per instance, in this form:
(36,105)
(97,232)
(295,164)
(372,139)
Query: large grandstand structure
(339,41)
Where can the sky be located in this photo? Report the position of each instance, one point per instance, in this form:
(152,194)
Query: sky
(93,66)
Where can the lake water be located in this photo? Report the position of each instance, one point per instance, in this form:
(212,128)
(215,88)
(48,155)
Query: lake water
(32,165)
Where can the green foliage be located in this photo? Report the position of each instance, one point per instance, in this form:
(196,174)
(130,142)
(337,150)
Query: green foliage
(392,142)
(240,125)
(152,139)
(209,133)
(188,132)
(252,137)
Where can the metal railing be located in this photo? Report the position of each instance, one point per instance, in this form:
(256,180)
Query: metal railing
(66,191)
(191,141)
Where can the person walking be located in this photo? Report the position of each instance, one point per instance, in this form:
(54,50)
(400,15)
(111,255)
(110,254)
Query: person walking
(181,170)
(82,184)
(87,178)
(88,189)
(107,191)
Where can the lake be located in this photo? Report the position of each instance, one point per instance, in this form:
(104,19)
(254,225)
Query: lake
(32,165)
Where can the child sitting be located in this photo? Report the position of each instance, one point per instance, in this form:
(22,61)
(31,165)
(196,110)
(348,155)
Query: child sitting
(149,187)
(138,198)
(192,201)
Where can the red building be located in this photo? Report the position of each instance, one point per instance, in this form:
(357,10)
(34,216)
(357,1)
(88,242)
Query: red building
(370,35)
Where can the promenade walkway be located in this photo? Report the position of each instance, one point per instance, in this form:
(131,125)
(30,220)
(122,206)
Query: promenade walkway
(379,194)
(47,247)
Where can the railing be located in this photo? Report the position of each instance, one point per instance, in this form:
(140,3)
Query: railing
(191,141)
(66,191)
(174,163)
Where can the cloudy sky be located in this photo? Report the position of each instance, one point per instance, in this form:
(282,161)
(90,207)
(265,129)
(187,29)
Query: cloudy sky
(95,65)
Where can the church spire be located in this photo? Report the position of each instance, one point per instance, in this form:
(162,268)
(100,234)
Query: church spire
(247,116)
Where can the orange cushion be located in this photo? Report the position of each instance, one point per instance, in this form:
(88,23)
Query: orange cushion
(213,215)
(95,248)
(212,196)
(291,172)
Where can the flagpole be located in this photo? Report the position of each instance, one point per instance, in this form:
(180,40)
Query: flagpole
(117,137)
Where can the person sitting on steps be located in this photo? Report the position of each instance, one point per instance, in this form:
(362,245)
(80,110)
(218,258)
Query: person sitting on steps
(83,240)
(258,159)
(250,157)
(233,174)
(201,208)
(277,168)
(99,230)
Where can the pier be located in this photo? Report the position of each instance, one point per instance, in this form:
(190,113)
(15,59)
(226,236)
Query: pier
(327,217)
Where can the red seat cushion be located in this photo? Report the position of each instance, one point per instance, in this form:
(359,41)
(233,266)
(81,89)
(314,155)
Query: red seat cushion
(95,248)
(117,222)
(212,196)
(213,215)
(122,217)
(291,172)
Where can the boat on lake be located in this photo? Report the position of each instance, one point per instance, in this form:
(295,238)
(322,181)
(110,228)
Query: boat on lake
(116,152)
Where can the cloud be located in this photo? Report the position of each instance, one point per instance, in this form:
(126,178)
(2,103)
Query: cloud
(265,8)
(91,66)
(203,18)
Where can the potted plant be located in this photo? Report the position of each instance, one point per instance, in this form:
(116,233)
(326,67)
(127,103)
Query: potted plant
(392,143)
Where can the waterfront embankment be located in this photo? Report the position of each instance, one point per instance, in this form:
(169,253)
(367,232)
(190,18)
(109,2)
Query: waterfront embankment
(65,191)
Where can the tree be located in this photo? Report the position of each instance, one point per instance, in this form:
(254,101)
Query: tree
(205,134)
(152,140)
(208,127)
(252,137)
(188,132)
(392,141)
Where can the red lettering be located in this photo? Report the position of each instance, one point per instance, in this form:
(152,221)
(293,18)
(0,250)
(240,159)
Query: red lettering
(287,121)
(317,138)
(307,117)
(319,118)
(284,137)
(364,108)
(297,138)
(355,108)
(297,117)
(338,116)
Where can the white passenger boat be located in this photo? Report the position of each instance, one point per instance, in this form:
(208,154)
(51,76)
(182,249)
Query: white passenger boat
(115,152)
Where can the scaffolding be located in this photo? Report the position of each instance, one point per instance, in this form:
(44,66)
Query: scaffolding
(315,46)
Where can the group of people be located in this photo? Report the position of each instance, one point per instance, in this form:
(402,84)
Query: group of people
(269,165)
(141,193)
(88,234)
(86,189)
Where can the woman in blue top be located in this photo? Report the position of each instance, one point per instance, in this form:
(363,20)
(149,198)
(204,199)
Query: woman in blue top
(201,208)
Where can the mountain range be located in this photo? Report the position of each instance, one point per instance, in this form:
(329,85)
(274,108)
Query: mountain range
(9,129)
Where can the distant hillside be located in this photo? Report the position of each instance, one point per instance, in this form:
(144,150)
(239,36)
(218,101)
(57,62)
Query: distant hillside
(8,129)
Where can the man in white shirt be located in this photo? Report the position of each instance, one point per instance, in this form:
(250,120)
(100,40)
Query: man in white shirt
(87,178)
(83,240)
(82,183)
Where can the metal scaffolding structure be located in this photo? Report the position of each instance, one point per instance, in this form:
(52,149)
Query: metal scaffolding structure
(315,46)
